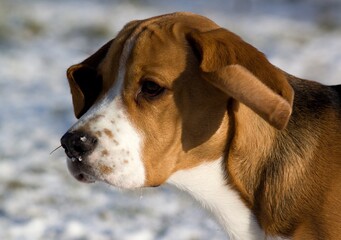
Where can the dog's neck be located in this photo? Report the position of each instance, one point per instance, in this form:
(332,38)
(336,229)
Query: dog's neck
(208,185)
(211,184)
(261,164)
(249,149)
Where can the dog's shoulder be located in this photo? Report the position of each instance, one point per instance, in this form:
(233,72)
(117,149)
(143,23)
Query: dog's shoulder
(337,89)
(314,99)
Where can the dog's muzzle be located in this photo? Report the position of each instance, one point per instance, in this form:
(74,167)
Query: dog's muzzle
(78,145)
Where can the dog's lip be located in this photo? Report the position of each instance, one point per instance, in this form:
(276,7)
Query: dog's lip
(81,171)
(85,178)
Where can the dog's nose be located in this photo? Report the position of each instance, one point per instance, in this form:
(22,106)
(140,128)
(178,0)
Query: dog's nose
(77,144)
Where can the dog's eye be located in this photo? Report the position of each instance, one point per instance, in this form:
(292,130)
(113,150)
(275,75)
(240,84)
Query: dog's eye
(151,89)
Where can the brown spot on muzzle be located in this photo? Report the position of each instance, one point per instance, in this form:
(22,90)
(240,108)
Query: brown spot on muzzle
(108,133)
(97,117)
(105,153)
(105,169)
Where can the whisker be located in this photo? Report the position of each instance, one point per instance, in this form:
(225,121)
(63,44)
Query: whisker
(55,149)
(141,193)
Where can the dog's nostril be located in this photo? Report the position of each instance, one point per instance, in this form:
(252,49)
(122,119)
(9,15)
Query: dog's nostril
(78,144)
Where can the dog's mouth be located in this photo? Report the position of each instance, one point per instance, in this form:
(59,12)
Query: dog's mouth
(81,171)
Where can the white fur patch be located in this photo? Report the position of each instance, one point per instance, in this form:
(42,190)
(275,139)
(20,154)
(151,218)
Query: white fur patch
(206,183)
(118,148)
(116,158)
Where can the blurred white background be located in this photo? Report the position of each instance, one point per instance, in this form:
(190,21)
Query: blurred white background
(40,39)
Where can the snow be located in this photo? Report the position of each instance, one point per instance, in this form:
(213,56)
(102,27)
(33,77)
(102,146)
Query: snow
(39,39)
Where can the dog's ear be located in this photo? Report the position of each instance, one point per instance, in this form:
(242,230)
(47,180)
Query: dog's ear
(244,73)
(85,82)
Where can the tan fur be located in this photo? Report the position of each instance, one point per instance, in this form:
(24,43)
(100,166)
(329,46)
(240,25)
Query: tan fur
(290,182)
(237,82)
(219,91)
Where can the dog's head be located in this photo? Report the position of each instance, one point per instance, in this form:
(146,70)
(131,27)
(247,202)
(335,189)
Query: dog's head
(154,100)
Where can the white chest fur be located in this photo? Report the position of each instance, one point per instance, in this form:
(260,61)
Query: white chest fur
(206,183)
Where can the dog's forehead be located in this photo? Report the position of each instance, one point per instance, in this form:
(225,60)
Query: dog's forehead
(149,38)
(162,24)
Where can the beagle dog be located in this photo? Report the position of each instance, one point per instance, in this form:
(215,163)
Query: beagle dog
(178,99)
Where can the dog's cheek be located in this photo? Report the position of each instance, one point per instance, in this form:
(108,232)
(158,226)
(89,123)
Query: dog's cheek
(122,166)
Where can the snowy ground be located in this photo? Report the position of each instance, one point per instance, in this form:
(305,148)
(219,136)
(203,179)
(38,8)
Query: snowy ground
(40,39)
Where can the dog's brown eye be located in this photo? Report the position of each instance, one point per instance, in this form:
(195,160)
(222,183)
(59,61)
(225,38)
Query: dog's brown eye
(151,89)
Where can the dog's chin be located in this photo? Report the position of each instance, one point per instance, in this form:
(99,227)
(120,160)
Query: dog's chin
(87,173)
(80,171)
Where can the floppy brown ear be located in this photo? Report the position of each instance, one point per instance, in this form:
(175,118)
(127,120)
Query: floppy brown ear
(85,83)
(244,73)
